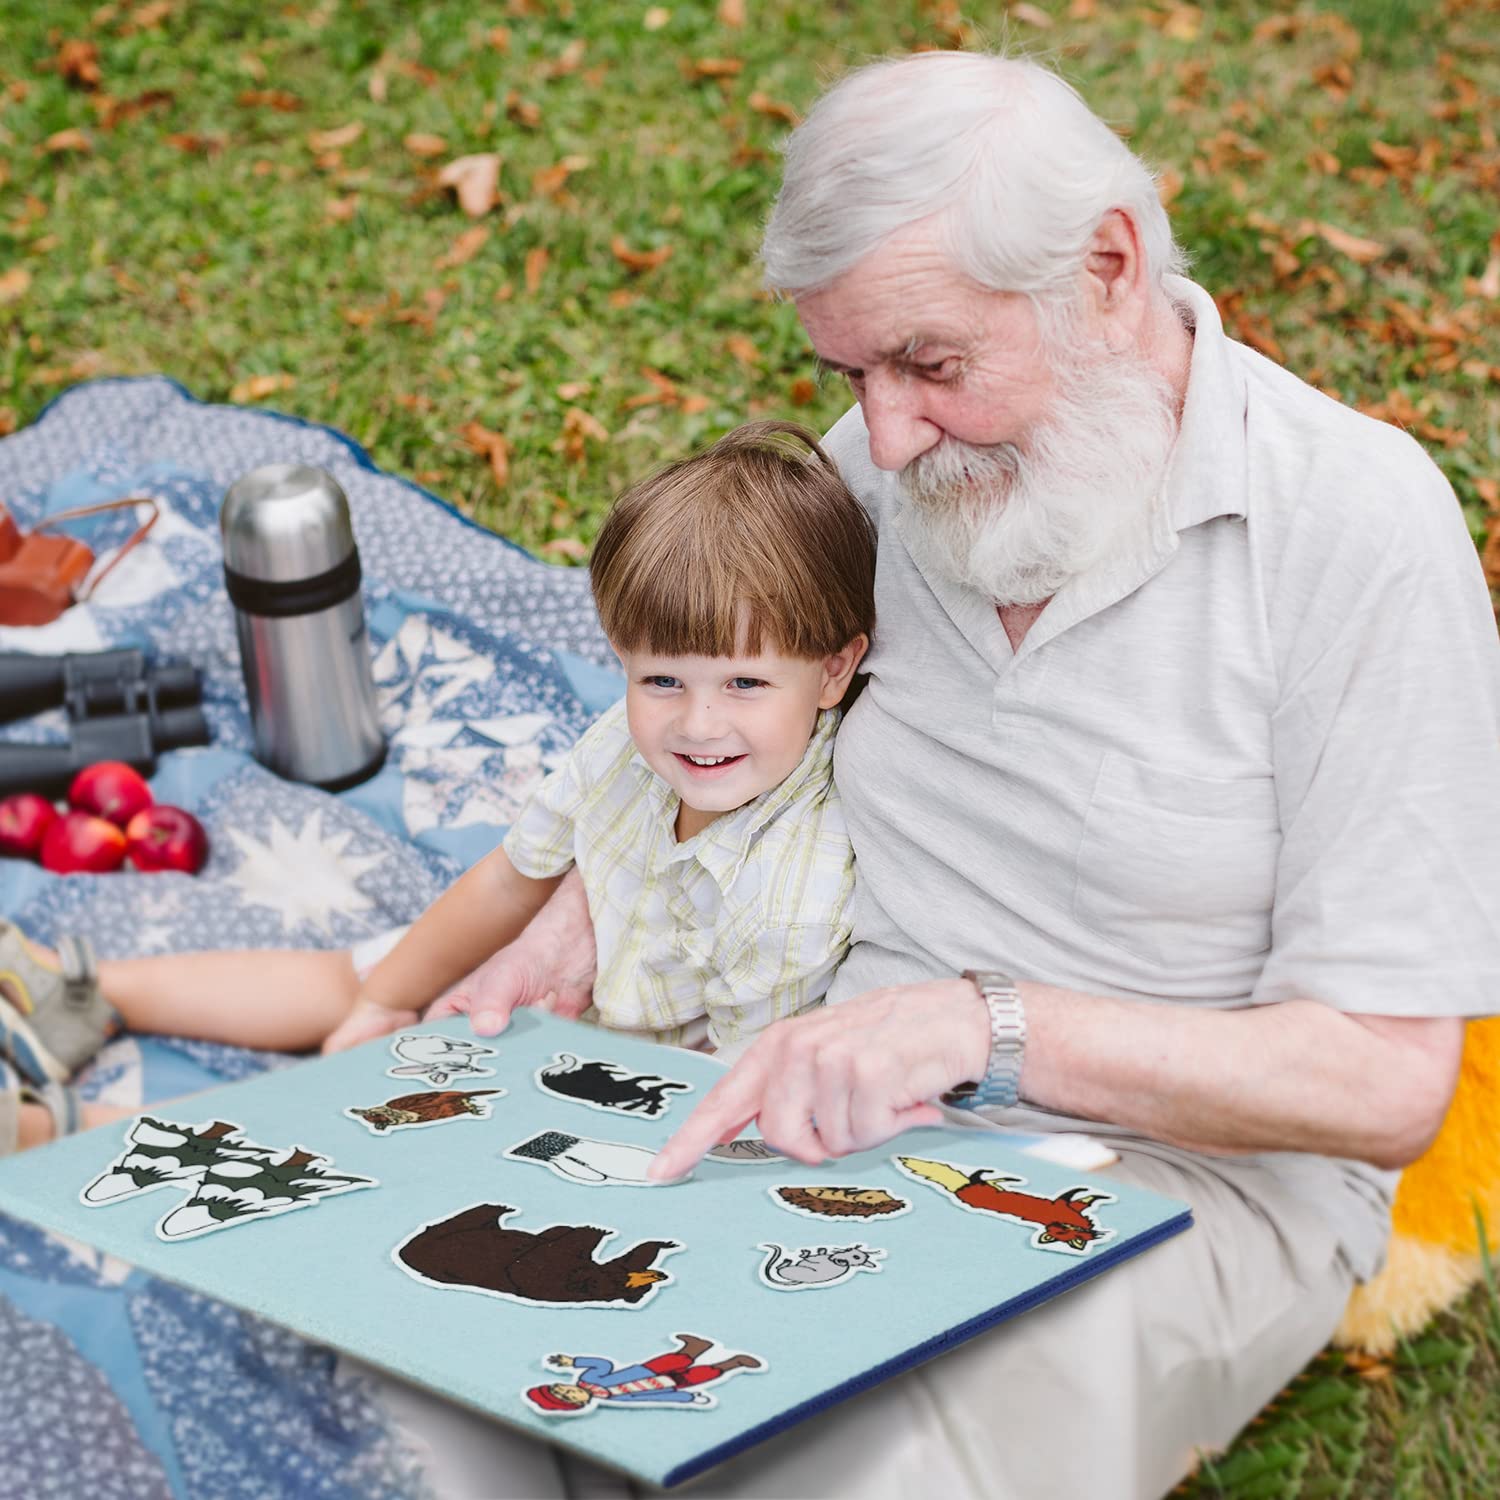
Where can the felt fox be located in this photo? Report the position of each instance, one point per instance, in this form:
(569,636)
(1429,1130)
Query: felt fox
(1063,1220)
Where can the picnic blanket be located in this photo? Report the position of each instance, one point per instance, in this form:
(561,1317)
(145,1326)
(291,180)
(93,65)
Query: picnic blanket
(488,666)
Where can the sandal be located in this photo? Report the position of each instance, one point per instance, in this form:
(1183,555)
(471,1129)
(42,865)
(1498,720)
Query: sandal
(60,1102)
(52,1020)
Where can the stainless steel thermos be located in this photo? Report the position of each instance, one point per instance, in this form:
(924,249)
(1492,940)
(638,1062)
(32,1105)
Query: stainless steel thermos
(292,571)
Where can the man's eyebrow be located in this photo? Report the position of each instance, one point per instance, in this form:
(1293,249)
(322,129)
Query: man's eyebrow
(905,351)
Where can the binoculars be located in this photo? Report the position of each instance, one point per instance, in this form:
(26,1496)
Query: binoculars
(120,706)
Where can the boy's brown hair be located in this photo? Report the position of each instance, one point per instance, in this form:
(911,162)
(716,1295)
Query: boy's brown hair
(755,543)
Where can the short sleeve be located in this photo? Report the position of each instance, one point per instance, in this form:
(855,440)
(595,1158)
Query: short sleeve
(540,841)
(1386,739)
(779,972)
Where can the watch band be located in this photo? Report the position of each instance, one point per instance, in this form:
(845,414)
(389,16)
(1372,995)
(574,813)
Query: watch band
(1001,1085)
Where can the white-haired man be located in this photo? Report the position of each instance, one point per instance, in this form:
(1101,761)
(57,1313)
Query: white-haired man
(1180,734)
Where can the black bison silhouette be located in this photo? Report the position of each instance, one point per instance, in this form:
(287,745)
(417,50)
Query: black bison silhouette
(473,1249)
(608,1086)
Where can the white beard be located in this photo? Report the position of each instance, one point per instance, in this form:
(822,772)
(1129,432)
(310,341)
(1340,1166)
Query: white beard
(1016,525)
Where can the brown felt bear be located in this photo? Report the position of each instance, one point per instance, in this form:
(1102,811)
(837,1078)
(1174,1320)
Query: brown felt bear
(551,1265)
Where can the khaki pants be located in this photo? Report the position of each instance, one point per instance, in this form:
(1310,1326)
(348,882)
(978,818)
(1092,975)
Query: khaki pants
(1106,1392)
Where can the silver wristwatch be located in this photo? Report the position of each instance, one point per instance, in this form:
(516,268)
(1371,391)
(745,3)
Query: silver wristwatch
(1001,1085)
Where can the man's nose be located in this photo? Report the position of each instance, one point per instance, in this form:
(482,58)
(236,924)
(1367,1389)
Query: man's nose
(893,419)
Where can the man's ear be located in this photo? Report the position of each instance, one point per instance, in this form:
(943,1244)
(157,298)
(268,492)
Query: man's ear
(839,668)
(1114,274)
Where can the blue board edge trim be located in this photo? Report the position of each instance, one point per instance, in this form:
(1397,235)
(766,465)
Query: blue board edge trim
(921,1353)
(356,451)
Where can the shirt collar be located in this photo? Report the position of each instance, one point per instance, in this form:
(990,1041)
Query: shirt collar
(1206,475)
(723,847)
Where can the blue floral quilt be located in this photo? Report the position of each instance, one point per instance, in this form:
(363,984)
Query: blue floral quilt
(488,666)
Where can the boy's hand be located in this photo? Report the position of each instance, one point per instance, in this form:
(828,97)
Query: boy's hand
(551,965)
(364,1021)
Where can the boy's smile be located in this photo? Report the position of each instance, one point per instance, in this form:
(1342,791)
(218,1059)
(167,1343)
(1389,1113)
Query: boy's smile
(721,730)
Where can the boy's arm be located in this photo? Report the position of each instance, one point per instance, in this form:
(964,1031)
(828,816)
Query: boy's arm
(486,908)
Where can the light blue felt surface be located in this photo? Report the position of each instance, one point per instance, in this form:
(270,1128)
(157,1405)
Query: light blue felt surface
(326,1271)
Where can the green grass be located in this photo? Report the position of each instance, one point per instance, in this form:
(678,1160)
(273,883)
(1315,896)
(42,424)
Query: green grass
(214,259)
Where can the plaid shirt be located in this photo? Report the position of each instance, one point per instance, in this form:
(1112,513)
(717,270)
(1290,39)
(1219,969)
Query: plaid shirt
(708,940)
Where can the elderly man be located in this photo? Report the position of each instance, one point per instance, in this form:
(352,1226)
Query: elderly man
(1172,789)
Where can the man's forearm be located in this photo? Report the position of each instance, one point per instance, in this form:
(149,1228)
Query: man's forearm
(1298,1076)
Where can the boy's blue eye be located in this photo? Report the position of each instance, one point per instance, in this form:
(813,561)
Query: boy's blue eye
(746,682)
(662,681)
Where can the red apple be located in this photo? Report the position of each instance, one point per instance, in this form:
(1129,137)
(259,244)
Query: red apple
(112,789)
(24,821)
(166,838)
(79,841)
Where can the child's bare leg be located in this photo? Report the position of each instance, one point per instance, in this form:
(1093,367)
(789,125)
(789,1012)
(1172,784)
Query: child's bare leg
(36,1126)
(284,1000)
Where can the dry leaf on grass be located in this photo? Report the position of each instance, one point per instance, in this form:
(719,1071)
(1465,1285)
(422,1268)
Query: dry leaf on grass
(638,260)
(7,420)
(13,283)
(565,546)
(522,111)
(578,429)
(258,387)
(732,12)
(475,180)
(1357,249)
(78,63)
(1033,15)
(802,391)
(67,140)
(713,67)
(278,99)
(764,104)
(337,138)
(492,446)
(548,182)
(464,248)
(341,210)
(742,348)
(656,17)
(536,267)
(421,143)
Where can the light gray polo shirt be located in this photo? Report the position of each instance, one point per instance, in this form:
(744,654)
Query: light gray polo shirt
(1257,760)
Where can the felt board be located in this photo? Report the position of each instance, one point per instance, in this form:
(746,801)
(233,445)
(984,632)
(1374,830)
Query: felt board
(374,1238)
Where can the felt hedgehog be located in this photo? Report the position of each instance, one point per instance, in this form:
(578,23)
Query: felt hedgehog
(1434,1255)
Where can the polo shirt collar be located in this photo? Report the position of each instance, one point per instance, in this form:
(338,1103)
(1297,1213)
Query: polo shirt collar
(1207,474)
(723,847)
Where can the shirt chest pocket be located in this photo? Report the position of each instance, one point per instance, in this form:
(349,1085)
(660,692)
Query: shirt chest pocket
(1177,869)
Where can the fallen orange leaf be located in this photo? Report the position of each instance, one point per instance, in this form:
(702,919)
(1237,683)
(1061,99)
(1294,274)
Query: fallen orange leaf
(499,38)
(420,143)
(536,267)
(494,447)
(258,387)
(742,348)
(571,390)
(278,99)
(548,181)
(13,283)
(802,391)
(656,17)
(1168,184)
(522,111)
(764,104)
(638,260)
(341,210)
(7,420)
(1033,15)
(78,63)
(464,248)
(148,17)
(716,67)
(1361,250)
(578,428)
(565,546)
(732,12)
(475,180)
(67,140)
(337,138)
(196,145)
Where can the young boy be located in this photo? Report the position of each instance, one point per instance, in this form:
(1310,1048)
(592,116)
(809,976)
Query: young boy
(737,588)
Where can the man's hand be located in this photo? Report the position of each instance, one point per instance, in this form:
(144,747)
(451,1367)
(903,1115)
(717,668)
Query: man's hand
(843,1078)
(366,1020)
(551,965)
